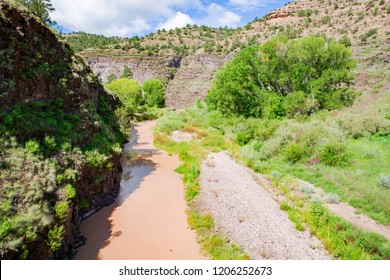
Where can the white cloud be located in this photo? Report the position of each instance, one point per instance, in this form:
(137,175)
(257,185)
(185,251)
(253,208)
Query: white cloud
(135,17)
(114,17)
(178,20)
(220,16)
(245,5)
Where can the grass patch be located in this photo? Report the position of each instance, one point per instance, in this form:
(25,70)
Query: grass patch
(338,236)
(356,184)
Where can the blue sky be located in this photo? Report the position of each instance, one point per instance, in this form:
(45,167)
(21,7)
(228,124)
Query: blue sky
(128,18)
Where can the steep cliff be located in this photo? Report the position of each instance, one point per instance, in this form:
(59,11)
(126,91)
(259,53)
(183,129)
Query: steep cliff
(60,142)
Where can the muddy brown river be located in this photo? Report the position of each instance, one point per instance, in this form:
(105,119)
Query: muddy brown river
(148,219)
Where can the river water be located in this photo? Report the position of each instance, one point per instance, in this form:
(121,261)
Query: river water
(147,220)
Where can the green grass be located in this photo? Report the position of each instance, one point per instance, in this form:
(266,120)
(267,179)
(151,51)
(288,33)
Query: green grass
(356,184)
(338,236)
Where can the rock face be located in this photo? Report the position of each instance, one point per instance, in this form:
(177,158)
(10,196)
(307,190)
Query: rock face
(284,12)
(188,78)
(193,79)
(48,94)
(153,67)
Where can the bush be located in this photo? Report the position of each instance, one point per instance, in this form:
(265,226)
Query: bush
(335,154)
(167,125)
(70,191)
(33,146)
(54,238)
(50,143)
(96,159)
(111,77)
(61,210)
(295,103)
(294,152)
(346,41)
(127,73)
(332,198)
(384,181)
(307,189)
(356,125)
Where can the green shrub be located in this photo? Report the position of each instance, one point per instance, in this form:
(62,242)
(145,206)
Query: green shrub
(54,238)
(384,181)
(127,73)
(335,154)
(297,103)
(346,41)
(50,143)
(294,152)
(96,159)
(167,125)
(301,13)
(32,146)
(70,191)
(83,204)
(111,77)
(356,125)
(61,210)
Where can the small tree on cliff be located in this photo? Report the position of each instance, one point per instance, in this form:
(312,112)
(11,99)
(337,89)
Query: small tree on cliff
(127,73)
(41,8)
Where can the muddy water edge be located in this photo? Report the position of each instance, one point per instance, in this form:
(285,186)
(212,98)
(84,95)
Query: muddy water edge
(148,219)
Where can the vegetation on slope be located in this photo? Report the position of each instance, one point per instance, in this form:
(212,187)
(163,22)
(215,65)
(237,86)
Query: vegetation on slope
(59,140)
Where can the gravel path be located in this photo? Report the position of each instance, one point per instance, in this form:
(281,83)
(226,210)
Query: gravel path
(248,214)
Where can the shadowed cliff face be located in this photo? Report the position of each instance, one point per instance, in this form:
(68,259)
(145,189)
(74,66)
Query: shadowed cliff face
(59,140)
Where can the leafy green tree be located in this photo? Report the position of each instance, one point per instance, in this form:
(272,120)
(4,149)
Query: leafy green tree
(40,8)
(258,81)
(128,91)
(127,73)
(154,93)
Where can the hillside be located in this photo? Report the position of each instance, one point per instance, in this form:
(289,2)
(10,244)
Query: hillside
(60,143)
(199,50)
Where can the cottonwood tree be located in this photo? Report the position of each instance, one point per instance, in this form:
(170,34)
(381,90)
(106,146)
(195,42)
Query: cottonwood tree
(285,77)
(154,93)
(128,91)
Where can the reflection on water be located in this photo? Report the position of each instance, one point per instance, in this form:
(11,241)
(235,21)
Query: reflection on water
(133,174)
(98,228)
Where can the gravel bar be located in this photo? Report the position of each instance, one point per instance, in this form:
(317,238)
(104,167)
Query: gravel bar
(249,216)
